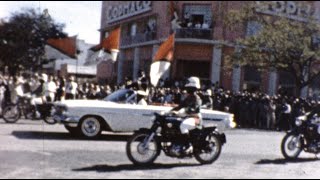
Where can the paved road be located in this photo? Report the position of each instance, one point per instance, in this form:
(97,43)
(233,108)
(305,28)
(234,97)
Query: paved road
(32,149)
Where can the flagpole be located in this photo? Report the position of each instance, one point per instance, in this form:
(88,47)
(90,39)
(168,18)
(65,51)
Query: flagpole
(76,56)
(77,69)
(114,55)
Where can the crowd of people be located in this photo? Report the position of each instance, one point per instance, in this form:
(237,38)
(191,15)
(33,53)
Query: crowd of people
(251,109)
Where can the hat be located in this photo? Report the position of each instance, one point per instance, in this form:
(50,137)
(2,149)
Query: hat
(208,92)
(193,82)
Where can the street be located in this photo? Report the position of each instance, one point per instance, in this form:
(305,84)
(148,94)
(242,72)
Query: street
(33,149)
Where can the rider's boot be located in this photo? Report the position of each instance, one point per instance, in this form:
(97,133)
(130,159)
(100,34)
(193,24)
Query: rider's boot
(188,146)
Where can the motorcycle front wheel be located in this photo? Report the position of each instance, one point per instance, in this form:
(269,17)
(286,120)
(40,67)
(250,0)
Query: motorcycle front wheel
(210,152)
(291,146)
(11,114)
(140,152)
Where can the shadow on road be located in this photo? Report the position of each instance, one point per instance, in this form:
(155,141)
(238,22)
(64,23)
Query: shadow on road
(38,135)
(284,161)
(20,123)
(132,167)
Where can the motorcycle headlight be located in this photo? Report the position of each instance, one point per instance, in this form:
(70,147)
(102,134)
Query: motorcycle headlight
(60,109)
(298,122)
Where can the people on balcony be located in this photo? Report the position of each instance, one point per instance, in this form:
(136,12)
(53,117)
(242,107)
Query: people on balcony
(205,25)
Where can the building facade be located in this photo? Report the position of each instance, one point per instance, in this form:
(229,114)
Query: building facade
(200,41)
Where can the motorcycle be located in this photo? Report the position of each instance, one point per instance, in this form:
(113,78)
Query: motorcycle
(13,112)
(304,137)
(146,144)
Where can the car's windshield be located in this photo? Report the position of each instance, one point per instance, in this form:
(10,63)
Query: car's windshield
(121,95)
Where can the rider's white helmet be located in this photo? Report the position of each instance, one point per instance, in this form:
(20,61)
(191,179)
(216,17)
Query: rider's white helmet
(193,82)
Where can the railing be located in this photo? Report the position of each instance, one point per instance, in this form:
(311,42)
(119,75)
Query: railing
(196,33)
(138,38)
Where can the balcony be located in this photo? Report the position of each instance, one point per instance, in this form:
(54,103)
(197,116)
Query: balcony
(138,38)
(195,33)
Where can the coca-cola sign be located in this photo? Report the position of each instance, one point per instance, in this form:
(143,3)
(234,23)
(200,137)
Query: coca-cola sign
(128,9)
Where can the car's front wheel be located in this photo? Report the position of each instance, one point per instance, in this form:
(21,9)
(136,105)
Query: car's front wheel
(90,127)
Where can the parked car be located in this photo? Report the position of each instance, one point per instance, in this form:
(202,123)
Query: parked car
(119,112)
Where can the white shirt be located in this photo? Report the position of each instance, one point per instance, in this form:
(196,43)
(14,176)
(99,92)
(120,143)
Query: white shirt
(51,87)
(19,90)
(71,87)
(205,26)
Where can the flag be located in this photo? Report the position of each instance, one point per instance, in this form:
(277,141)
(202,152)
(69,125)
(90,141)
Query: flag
(109,43)
(65,45)
(162,61)
(165,51)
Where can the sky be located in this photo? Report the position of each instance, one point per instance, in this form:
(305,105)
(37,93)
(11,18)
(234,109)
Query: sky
(81,18)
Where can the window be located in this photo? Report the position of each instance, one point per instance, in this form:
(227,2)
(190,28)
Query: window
(194,14)
(252,79)
(106,34)
(152,24)
(251,74)
(150,29)
(286,79)
(133,29)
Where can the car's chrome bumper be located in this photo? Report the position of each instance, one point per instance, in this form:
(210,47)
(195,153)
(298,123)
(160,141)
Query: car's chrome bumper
(63,119)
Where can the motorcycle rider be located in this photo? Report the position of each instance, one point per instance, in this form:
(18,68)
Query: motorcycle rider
(315,111)
(39,94)
(190,109)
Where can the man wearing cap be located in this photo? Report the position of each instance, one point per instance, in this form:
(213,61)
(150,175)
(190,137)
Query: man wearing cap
(190,107)
(51,89)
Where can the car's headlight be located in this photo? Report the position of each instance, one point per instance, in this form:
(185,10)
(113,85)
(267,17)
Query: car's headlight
(233,124)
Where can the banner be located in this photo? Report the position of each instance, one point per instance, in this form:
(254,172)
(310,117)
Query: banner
(160,68)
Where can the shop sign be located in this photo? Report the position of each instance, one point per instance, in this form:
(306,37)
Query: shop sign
(128,9)
(300,11)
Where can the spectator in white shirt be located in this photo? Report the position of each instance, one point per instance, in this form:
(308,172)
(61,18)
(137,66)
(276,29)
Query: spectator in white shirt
(198,25)
(51,89)
(205,25)
(71,88)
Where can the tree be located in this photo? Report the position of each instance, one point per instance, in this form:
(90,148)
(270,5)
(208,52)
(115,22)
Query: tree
(277,42)
(23,39)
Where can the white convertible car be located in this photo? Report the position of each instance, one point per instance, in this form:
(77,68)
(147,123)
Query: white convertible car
(119,113)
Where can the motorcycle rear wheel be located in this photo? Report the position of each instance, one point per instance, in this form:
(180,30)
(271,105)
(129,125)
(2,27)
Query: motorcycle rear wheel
(11,114)
(141,153)
(210,153)
(291,147)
